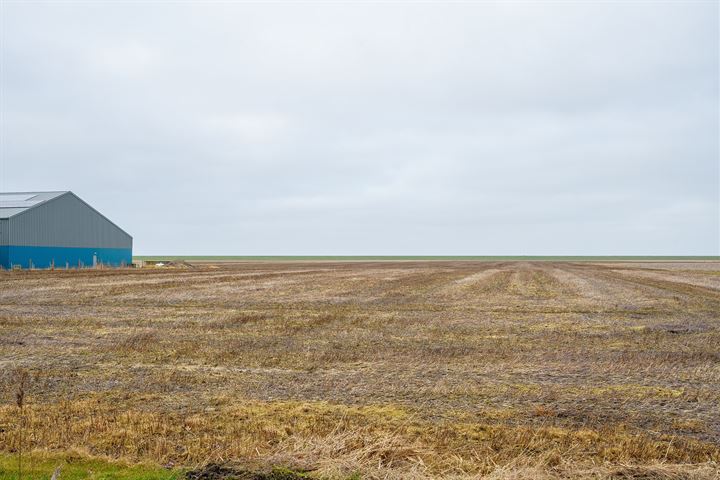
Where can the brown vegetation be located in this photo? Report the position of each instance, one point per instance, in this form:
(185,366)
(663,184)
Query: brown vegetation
(389,370)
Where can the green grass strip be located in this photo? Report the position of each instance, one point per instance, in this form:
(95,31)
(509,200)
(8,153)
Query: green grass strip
(73,467)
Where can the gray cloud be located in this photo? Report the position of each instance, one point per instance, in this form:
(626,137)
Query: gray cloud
(485,128)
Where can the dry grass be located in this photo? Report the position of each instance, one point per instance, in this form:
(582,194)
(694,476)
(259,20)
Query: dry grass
(393,370)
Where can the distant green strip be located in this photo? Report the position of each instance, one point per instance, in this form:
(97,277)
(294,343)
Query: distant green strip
(282,258)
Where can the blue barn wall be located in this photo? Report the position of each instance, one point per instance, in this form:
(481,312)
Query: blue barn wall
(60,257)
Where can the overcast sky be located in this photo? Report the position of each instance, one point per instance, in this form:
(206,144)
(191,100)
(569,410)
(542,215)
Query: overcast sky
(406,129)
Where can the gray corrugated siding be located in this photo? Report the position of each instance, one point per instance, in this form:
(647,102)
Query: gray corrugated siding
(66,222)
(4,237)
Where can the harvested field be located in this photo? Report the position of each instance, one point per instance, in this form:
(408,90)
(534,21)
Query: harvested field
(375,369)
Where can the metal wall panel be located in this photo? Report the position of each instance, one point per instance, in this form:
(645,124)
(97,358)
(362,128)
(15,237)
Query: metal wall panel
(4,249)
(66,221)
(4,232)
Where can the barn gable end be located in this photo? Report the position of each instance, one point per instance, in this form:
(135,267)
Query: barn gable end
(60,230)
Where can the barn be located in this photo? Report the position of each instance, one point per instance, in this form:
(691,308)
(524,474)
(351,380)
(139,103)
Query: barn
(58,229)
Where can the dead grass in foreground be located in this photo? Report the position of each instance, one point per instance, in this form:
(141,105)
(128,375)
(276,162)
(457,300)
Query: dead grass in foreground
(378,370)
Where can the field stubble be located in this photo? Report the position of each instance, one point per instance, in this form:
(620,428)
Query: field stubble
(389,370)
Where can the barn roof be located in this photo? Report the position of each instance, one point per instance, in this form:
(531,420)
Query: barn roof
(14,203)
